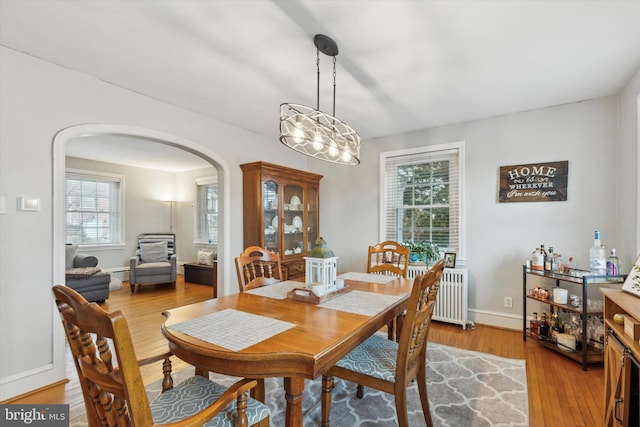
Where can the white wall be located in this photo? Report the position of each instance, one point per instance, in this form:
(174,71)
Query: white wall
(628,206)
(500,236)
(38,100)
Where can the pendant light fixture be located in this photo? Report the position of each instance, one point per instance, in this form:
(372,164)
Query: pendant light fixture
(315,133)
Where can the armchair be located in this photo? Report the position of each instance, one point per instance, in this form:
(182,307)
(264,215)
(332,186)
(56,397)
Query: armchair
(83,276)
(155,261)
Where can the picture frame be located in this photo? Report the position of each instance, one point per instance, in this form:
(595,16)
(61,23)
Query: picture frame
(449,260)
(632,282)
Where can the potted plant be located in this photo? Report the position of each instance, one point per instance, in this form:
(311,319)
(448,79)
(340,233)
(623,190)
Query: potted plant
(423,251)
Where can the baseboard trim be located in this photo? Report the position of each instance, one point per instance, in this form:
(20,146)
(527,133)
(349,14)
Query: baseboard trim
(32,392)
(496,318)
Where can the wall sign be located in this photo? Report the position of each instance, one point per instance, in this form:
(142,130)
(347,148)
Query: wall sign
(534,182)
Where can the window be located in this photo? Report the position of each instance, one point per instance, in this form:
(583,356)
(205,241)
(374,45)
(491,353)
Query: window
(93,202)
(421,195)
(207,210)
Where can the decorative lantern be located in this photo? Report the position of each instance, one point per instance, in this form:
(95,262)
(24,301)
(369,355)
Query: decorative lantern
(321,266)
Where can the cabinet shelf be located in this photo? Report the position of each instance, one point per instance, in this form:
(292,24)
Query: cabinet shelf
(584,281)
(595,355)
(565,307)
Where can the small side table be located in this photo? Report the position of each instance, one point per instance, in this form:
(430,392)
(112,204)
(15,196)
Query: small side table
(202,274)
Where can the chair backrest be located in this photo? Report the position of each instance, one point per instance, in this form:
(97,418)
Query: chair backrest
(413,339)
(257,267)
(112,391)
(170,238)
(388,258)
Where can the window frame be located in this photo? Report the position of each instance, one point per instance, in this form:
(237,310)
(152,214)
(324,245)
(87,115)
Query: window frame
(199,232)
(99,176)
(429,151)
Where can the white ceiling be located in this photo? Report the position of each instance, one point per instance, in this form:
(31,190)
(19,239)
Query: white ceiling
(402,66)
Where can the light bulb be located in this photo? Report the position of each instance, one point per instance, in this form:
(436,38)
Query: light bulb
(346,156)
(317,140)
(333,149)
(297,134)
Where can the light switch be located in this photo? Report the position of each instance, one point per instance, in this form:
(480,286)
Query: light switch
(29,203)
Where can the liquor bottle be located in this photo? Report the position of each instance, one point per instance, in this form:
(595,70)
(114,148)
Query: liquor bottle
(549,260)
(612,263)
(555,324)
(537,260)
(544,255)
(597,257)
(535,324)
(544,327)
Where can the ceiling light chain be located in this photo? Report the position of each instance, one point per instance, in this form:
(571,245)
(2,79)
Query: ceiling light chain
(315,133)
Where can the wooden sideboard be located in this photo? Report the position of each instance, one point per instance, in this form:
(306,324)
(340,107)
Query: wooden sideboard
(622,357)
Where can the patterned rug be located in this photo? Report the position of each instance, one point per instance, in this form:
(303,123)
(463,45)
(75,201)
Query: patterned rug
(466,389)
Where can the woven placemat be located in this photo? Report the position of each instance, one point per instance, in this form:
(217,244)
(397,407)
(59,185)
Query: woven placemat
(368,277)
(232,329)
(277,290)
(361,302)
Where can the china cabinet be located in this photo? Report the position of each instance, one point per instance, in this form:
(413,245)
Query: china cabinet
(622,361)
(281,212)
(581,308)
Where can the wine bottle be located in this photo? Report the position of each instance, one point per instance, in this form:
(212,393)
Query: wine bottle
(612,263)
(597,257)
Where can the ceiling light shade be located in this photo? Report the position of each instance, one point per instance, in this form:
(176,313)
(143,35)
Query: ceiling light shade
(315,133)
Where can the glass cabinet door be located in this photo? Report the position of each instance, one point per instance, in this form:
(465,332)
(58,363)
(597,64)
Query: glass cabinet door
(270,206)
(293,237)
(312,217)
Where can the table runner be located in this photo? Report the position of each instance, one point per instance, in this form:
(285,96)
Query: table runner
(232,329)
(277,290)
(368,277)
(361,302)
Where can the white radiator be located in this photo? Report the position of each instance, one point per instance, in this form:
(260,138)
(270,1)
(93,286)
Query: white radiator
(451,305)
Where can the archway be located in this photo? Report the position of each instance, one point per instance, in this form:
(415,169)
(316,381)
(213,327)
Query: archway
(63,137)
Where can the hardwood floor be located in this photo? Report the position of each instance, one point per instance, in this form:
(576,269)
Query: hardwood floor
(560,393)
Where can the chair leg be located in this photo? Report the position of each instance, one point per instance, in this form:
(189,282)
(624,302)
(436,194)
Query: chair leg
(424,397)
(399,324)
(264,423)
(133,287)
(360,391)
(390,330)
(401,408)
(327,389)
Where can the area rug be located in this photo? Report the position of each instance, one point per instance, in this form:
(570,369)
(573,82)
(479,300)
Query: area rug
(466,389)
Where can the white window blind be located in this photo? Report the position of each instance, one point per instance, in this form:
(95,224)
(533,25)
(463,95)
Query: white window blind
(93,205)
(207,210)
(421,195)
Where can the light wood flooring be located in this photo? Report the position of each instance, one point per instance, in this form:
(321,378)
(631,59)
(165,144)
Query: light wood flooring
(560,392)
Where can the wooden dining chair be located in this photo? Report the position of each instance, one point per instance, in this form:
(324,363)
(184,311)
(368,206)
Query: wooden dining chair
(114,394)
(390,366)
(257,267)
(392,259)
(389,258)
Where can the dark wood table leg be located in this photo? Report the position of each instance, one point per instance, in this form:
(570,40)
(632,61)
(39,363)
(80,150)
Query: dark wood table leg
(258,392)
(294,391)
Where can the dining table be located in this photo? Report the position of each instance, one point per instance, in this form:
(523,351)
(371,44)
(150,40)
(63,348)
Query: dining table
(264,333)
